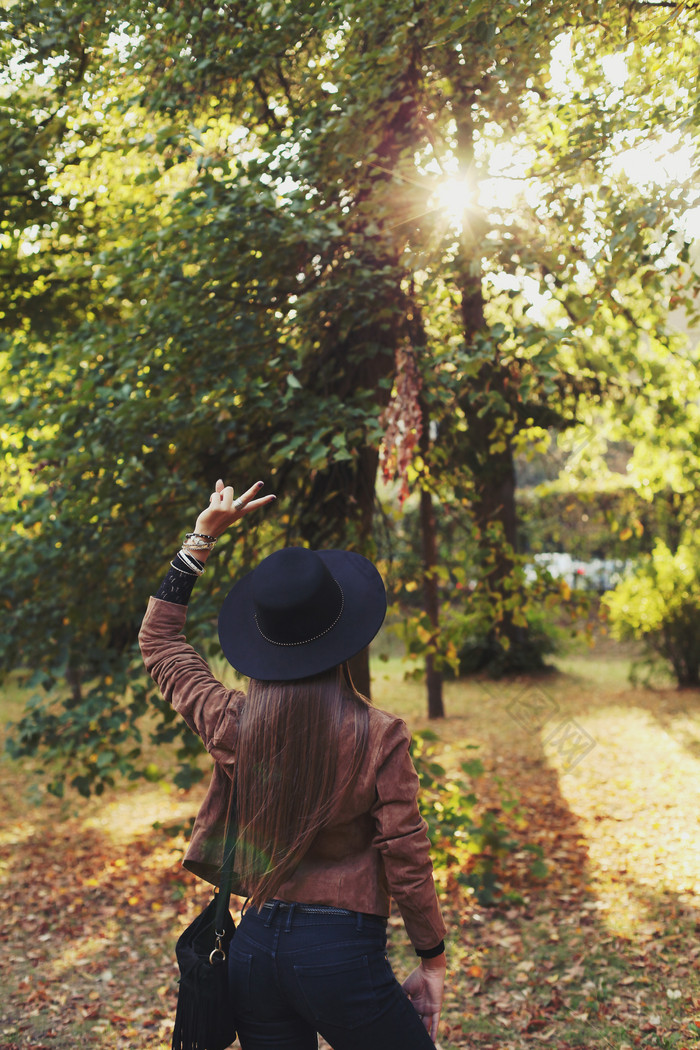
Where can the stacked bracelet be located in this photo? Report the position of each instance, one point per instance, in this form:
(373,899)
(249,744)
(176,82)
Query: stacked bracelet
(194,566)
(198,541)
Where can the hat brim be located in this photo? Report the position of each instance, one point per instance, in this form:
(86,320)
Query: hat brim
(364,609)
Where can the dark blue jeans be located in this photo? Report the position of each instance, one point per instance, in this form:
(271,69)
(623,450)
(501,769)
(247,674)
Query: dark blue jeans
(294,973)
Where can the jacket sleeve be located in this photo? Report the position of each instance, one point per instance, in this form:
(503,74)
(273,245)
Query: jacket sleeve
(402,840)
(185,680)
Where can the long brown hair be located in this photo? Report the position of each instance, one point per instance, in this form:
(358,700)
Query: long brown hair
(287,775)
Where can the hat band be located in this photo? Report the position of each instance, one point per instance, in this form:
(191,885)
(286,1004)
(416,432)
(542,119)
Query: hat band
(305,641)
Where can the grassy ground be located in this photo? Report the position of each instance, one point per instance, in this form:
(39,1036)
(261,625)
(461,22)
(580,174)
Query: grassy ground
(602,953)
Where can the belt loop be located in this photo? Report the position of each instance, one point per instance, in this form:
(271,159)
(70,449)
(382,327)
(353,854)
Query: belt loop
(273,911)
(290,914)
(360,917)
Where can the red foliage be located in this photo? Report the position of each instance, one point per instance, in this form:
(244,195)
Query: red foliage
(402,420)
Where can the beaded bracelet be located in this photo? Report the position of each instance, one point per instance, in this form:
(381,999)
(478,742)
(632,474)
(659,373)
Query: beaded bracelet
(199,541)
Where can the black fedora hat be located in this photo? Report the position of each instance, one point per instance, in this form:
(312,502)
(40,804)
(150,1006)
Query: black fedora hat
(301,612)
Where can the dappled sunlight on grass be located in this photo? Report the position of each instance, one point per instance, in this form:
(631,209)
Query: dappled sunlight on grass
(636,796)
(396,689)
(14,834)
(626,762)
(591,666)
(82,951)
(130,814)
(393,692)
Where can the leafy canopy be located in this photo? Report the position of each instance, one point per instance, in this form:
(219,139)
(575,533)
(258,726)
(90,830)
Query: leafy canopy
(222,226)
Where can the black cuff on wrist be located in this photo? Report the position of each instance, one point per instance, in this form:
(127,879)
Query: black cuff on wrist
(431,953)
(177,585)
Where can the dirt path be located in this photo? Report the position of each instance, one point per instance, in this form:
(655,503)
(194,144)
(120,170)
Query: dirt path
(605,953)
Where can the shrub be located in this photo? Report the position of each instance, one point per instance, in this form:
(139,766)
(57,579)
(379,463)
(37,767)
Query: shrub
(482,649)
(492,634)
(514,632)
(660,604)
(469,842)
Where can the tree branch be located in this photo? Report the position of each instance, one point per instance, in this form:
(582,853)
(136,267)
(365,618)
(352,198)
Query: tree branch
(661,3)
(285,85)
(266,105)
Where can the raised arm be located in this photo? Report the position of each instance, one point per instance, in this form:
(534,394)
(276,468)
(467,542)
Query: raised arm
(182,675)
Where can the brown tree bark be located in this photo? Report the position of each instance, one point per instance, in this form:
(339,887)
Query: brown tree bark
(431,600)
(339,508)
(493,472)
(429,541)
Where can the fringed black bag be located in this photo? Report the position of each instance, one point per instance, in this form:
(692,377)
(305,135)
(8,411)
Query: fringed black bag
(205,1017)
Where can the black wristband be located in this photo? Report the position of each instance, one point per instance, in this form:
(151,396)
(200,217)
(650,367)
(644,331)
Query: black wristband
(177,584)
(431,953)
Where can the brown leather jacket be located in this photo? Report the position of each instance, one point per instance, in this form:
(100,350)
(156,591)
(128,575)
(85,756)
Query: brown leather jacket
(375,847)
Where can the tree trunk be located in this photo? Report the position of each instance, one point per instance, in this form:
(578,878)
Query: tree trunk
(339,508)
(74,680)
(429,549)
(431,599)
(492,388)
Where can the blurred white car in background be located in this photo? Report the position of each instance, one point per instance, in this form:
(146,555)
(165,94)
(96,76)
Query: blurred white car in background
(598,574)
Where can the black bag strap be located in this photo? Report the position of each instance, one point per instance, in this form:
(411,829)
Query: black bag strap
(230,840)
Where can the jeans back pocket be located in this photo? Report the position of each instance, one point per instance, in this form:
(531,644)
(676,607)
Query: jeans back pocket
(339,993)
